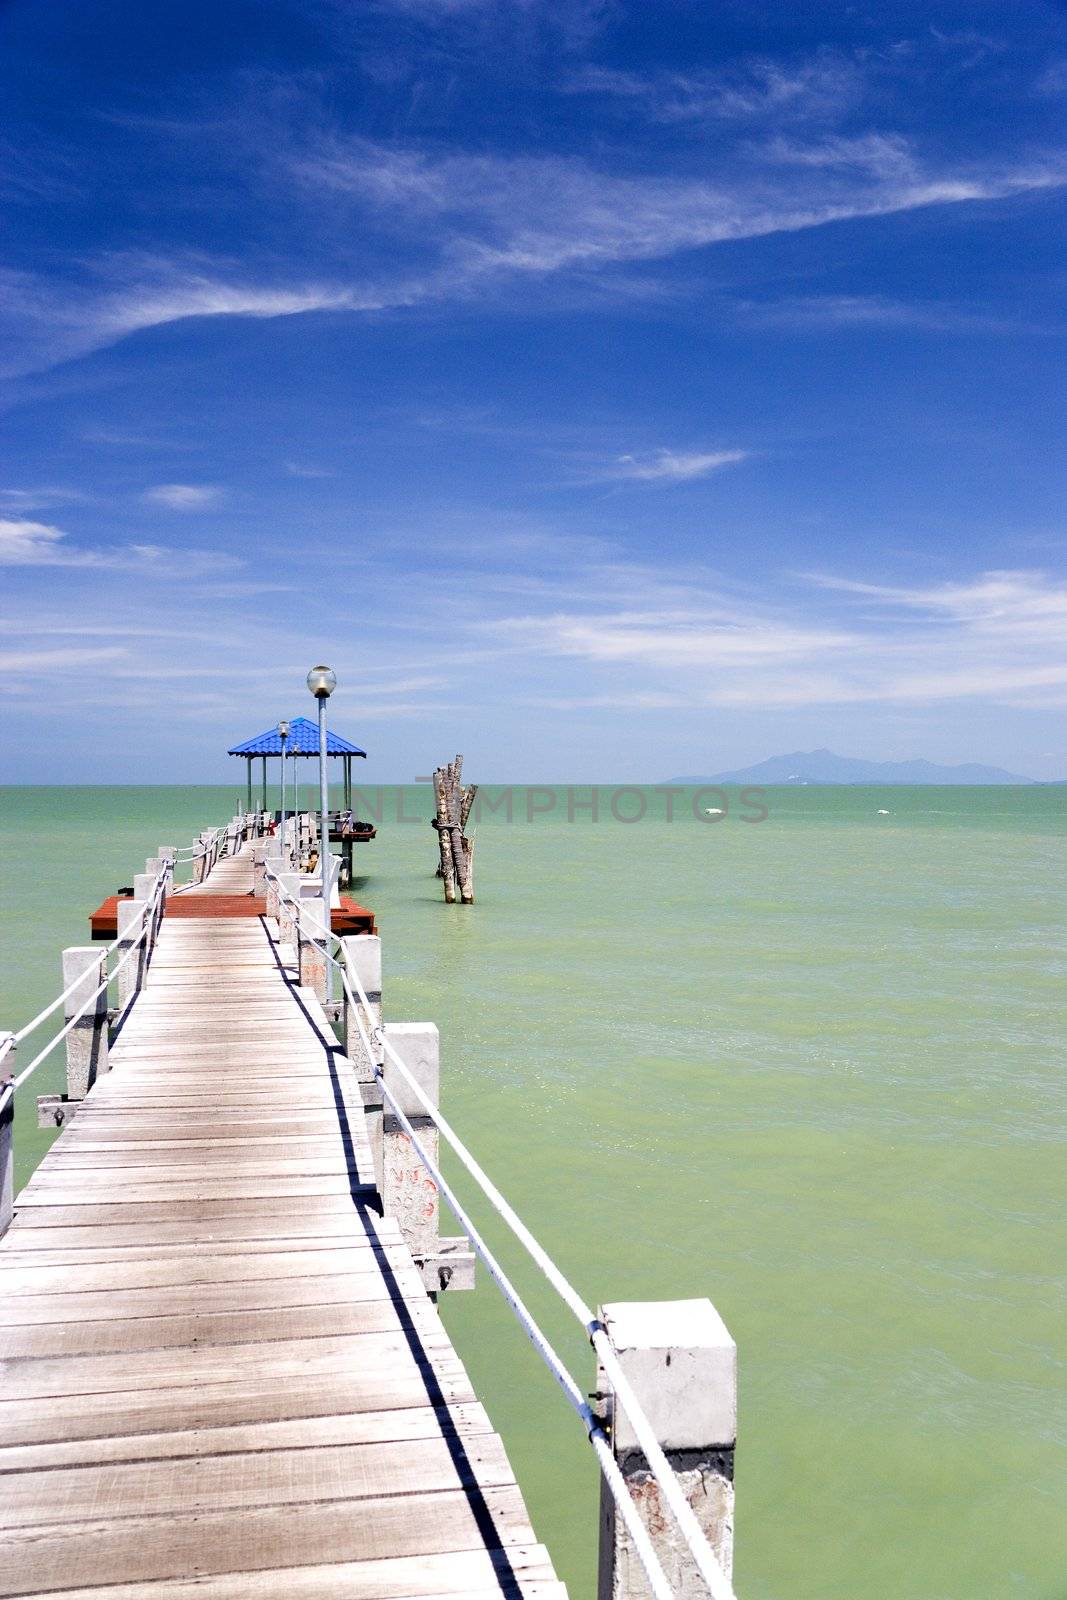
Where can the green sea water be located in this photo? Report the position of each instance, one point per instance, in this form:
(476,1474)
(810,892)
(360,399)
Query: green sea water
(810,1066)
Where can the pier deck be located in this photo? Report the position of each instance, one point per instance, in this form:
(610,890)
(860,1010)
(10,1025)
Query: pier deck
(220,1374)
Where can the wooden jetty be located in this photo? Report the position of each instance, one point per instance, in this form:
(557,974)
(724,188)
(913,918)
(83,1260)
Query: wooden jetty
(222,1371)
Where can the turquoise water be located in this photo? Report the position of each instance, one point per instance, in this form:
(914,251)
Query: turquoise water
(810,1067)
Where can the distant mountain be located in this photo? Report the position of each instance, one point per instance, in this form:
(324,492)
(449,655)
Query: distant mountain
(822,766)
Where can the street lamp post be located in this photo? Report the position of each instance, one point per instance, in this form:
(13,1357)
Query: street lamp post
(322,683)
(283,734)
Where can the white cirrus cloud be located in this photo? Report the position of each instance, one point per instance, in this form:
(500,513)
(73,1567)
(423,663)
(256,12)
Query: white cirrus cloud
(184,496)
(544,214)
(673,466)
(26,543)
(999,637)
(755,89)
(22,661)
(23,500)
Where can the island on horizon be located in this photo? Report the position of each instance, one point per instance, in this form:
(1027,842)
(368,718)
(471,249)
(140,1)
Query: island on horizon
(823,766)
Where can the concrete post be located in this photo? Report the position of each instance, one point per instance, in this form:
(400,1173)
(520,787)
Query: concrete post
(361,954)
(130,921)
(143,885)
(202,862)
(259,871)
(87,1040)
(682,1364)
(7,1140)
(289,882)
(408,1192)
(152,868)
(270,887)
(311,957)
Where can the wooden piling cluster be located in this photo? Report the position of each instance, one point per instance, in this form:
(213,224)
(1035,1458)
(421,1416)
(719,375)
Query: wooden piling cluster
(454,802)
(220,1360)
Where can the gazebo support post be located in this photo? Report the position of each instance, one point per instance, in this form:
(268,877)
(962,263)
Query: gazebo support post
(249,783)
(263,787)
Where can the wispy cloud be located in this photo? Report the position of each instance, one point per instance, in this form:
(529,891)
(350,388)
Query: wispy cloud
(1021,604)
(844,311)
(25,543)
(49,323)
(673,466)
(751,90)
(457,225)
(550,214)
(999,637)
(23,500)
(25,661)
(301,469)
(184,496)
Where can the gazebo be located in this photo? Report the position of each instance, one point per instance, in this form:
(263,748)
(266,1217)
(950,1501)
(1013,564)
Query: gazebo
(303,740)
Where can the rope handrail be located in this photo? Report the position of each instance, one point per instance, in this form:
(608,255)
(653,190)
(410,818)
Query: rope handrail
(661,1588)
(54,1005)
(76,1018)
(718,1585)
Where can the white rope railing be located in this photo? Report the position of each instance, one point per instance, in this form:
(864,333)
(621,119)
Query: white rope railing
(661,1588)
(147,921)
(704,1558)
(718,1585)
(53,1005)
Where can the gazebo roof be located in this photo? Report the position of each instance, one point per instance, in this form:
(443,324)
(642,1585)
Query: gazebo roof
(303,740)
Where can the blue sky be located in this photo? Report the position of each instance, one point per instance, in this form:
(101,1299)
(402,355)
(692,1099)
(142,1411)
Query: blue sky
(606,390)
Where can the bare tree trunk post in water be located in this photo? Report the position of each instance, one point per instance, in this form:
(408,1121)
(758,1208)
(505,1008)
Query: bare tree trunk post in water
(447,867)
(454,804)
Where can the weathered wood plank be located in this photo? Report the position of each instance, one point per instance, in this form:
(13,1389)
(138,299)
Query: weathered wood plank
(471,1573)
(121,1336)
(316,1473)
(241,1398)
(110,1301)
(256,1538)
(106,1189)
(357,1427)
(74,1276)
(276,1362)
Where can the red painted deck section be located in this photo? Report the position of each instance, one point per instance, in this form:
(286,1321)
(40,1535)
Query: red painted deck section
(348,917)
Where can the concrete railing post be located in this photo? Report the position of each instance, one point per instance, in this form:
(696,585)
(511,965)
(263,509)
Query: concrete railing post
(682,1364)
(361,954)
(289,882)
(7,1141)
(131,914)
(87,1040)
(143,885)
(310,952)
(167,853)
(202,861)
(152,867)
(408,1192)
(259,871)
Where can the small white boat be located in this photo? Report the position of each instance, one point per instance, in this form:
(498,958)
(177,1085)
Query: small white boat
(883,813)
(713,811)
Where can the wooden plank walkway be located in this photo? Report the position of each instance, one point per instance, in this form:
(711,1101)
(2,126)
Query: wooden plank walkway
(220,1375)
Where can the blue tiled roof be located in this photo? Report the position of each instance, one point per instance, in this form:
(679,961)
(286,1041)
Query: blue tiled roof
(303,740)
